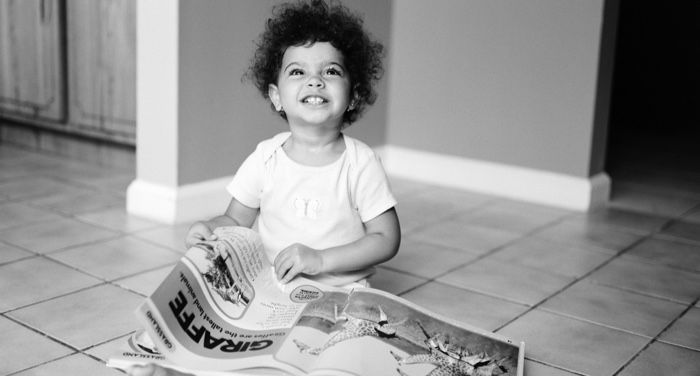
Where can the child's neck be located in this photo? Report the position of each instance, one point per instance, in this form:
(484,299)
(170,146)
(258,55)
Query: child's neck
(314,148)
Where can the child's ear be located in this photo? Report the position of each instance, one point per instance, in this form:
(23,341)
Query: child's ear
(353,101)
(274,93)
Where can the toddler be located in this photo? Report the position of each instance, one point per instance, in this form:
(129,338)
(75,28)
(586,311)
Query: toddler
(321,199)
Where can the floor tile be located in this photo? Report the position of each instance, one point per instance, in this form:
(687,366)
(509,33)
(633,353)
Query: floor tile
(9,253)
(692,216)
(393,281)
(427,260)
(9,173)
(403,188)
(15,342)
(533,368)
(508,281)
(668,252)
(78,171)
(684,230)
(685,331)
(616,308)
(625,219)
(71,203)
(512,216)
(664,359)
(74,211)
(573,344)
(172,237)
(48,279)
(97,314)
(115,182)
(74,365)
(19,214)
(8,152)
(117,258)
(669,185)
(108,349)
(105,178)
(34,187)
(457,235)
(630,273)
(433,205)
(652,203)
(50,236)
(459,200)
(553,257)
(117,219)
(475,309)
(584,234)
(418,214)
(145,283)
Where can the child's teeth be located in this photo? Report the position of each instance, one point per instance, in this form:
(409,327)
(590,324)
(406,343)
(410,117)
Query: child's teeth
(314,100)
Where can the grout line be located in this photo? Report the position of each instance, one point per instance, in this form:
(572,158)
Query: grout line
(578,373)
(656,338)
(576,280)
(100,283)
(484,255)
(50,337)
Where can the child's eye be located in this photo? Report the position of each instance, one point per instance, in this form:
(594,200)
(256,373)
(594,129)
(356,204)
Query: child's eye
(296,72)
(334,72)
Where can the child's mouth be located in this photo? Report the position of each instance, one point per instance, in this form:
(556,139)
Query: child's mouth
(314,100)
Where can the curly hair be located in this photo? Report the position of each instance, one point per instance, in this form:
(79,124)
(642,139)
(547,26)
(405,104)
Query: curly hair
(310,21)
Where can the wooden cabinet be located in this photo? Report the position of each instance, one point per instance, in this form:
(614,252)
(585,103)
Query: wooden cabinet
(70,65)
(102,66)
(31,63)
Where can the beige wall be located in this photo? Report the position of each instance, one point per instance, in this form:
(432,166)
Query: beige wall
(479,94)
(511,82)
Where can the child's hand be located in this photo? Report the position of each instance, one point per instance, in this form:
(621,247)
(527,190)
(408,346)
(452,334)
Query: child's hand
(197,233)
(153,370)
(296,259)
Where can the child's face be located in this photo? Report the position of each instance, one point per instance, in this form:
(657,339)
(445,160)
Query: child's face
(313,85)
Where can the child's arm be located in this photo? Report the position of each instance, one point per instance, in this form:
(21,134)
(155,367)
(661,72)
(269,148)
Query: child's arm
(236,214)
(380,243)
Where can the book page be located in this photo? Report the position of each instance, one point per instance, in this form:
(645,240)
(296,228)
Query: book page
(378,333)
(221,307)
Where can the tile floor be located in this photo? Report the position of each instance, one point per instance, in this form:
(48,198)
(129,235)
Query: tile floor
(613,292)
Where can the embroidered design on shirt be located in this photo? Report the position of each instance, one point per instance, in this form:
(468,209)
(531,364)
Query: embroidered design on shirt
(306,207)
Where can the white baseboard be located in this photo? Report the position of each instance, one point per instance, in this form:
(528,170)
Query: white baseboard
(209,198)
(185,203)
(519,183)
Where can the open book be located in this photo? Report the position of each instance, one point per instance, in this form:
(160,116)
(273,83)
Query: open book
(221,311)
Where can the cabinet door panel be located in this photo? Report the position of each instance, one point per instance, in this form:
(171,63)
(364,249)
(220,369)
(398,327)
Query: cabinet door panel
(31,67)
(102,65)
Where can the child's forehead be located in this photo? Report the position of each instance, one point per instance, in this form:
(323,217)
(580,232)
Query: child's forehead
(313,52)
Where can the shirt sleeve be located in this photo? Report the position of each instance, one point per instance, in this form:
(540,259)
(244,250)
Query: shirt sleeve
(246,185)
(373,192)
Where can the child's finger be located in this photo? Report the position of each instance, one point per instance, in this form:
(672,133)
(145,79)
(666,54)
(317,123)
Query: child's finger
(282,271)
(291,273)
(282,266)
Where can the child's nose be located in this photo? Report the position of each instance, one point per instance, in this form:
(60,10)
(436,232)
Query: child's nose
(315,81)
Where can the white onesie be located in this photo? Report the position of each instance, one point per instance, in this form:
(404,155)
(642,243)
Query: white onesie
(320,207)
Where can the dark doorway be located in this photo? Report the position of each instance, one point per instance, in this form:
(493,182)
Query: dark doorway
(654,128)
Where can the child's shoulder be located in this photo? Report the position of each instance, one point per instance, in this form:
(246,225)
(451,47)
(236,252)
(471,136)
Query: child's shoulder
(359,151)
(274,141)
(268,146)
